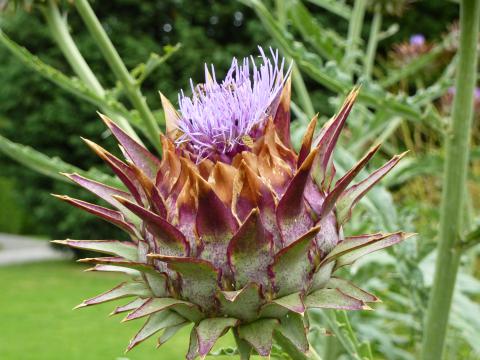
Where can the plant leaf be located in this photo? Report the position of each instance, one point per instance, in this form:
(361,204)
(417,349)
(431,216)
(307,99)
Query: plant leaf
(259,334)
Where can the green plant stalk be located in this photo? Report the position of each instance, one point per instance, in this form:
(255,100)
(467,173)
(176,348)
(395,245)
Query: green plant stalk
(62,37)
(298,82)
(373,42)
(455,174)
(119,69)
(303,95)
(354,33)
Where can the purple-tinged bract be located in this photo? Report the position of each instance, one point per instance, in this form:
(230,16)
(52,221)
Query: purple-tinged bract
(232,229)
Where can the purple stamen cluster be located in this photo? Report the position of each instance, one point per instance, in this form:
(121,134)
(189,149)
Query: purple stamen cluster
(218,116)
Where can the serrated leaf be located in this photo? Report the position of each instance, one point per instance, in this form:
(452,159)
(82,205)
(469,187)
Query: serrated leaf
(48,166)
(72,85)
(325,41)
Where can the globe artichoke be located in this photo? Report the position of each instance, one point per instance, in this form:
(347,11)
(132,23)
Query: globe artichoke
(232,229)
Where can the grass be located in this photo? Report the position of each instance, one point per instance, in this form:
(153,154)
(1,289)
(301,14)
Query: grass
(37,321)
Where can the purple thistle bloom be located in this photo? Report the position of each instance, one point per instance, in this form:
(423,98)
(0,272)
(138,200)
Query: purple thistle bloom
(477,94)
(417,40)
(218,116)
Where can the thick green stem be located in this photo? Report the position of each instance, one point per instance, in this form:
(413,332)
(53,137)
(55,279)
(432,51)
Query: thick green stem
(373,42)
(119,69)
(354,33)
(455,174)
(62,37)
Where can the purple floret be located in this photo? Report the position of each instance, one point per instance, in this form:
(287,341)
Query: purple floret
(218,116)
(477,94)
(417,40)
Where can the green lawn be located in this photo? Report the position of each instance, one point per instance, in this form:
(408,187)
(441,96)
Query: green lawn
(37,321)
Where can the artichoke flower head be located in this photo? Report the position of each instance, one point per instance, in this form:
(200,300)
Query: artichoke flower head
(232,229)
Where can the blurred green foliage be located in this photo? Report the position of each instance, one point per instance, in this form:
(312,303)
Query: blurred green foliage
(37,113)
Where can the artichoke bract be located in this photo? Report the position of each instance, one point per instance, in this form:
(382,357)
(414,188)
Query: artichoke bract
(232,229)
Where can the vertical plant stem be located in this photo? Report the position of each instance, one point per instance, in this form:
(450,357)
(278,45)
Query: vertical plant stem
(354,33)
(303,96)
(60,33)
(298,82)
(373,42)
(119,69)
(62,37)
(455,174)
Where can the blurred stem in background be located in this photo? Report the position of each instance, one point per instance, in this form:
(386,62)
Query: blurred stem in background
(354,34)
(373,42)
(455,174)
(60,33)
(298,83)
(116,64)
